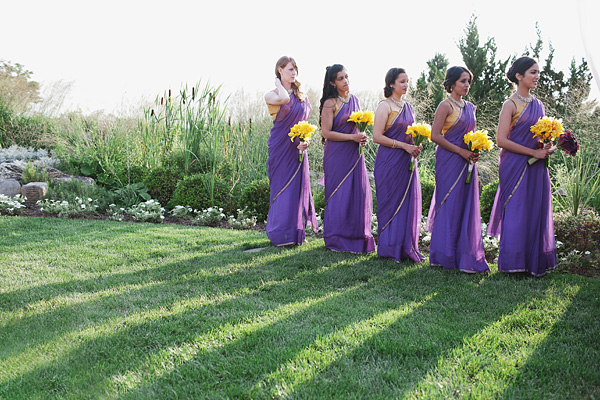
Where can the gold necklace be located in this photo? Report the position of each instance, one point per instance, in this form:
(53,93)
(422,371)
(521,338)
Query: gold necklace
(346,99)
(524,99)
(458,104)
(400,103)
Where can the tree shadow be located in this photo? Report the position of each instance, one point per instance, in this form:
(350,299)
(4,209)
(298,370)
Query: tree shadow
(393,362)
(567,362)
(89,366)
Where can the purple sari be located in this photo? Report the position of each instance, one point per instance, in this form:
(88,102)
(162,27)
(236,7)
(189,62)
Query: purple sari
(291,199)
(348,199)
(522,212)
(454,219)
(398,195)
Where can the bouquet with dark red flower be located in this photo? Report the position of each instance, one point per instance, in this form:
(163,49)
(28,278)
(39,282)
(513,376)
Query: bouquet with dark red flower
(567,142)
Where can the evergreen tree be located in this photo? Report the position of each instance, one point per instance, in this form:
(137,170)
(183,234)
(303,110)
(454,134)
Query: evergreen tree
(490,86)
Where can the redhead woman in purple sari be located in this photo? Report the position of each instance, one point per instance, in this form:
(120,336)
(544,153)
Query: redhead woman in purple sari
(291,205)
(398,188)
(348,199)
(454,219)
(522,212)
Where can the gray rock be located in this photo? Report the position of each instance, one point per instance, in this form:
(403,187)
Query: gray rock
(34,191)
(10,187)
(14,170)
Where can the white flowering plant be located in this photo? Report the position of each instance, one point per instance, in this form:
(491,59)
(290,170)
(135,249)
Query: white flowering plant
(184,212)
(115,212)
(11,205)
(243,220)
(64,209)
(148,211)
(212,216)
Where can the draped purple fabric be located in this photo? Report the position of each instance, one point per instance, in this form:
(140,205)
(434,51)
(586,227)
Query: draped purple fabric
(348,198)
(454,218)
(398,195)
(291,198)
(522,212)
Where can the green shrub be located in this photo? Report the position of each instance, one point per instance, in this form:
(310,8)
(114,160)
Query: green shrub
(162,182)
(486,200)
(133,174)
(427,188)
(578,235)
(193,191)
(74,188)
(319,200)
(31,173)
(256,198)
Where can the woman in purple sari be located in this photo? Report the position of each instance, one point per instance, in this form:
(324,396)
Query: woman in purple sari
(454,219)
(398,188)
(348,199)
(522,212)
(291,199)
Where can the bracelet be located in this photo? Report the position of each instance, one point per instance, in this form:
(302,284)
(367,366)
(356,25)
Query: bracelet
(393,143)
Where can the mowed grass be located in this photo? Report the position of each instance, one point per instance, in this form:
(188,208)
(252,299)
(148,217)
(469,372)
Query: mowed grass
(100,309)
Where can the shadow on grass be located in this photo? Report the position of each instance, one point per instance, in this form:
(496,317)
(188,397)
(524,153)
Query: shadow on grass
(90,364)
(567,363)
(248,366)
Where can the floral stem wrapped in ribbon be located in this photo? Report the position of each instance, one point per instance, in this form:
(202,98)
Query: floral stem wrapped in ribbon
(362,119)
(477,141)
(420,133)
(548,130)
(303,131)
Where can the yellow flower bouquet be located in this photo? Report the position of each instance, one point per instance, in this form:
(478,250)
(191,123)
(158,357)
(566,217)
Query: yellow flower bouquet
(362,119)
(303,131)
(420,133)
(477,141)
(547,129)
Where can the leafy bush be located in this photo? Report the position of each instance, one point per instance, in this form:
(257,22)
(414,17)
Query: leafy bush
(486,200)
(578,235)
(32,173)
(133,174)
(132,193)
(319,200)
(256,198)
(427,188)
(162,182)
(193,191)
(74,188)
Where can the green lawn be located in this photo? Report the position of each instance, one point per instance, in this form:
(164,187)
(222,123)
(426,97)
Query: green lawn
(100,309)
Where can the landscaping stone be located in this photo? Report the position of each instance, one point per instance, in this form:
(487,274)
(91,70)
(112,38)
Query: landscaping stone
(10,187)
(14,170)
(34,191)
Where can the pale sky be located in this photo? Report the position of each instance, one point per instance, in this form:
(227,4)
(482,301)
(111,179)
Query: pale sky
(117,53)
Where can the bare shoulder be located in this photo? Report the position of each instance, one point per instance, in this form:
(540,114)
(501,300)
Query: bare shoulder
(444,108)
(509,105)
(271,95)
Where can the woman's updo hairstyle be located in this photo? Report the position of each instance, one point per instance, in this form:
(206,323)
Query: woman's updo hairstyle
(520,66)
(453,74)
(390,79)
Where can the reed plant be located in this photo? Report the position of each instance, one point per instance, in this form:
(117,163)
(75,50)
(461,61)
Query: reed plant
(576,181)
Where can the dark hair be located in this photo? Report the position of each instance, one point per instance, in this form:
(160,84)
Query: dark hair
(390,78)
(281,63)
(520,66)
(329,91)
(453,74)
